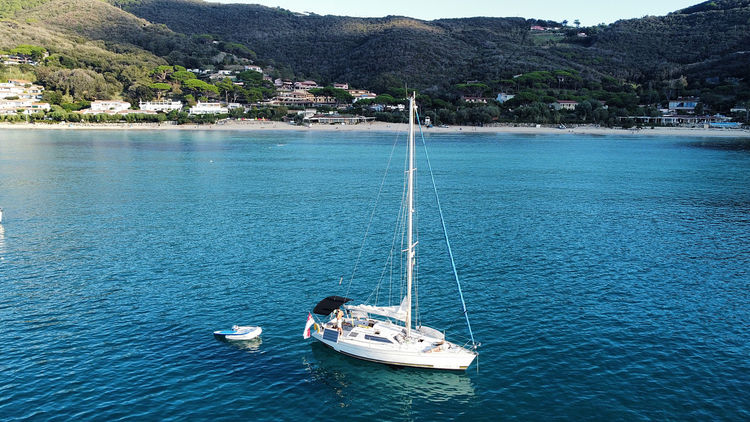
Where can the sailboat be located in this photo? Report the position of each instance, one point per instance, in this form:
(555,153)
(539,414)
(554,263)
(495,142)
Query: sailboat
(384,334)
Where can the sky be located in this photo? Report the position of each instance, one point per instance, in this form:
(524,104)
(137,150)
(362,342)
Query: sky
(589,12)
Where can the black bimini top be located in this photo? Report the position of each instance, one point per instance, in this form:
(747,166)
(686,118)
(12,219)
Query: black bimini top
(329,304)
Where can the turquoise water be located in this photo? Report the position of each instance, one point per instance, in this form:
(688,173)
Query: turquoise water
(606,277)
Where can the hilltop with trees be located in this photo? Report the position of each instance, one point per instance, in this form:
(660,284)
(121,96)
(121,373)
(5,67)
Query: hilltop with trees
(141,49)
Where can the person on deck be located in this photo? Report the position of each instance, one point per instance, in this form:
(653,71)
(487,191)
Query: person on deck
(339,319)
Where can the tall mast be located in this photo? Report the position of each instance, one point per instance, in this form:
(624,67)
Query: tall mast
(410,217)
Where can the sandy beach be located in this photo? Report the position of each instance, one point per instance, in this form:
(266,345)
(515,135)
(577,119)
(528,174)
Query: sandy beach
(248,125)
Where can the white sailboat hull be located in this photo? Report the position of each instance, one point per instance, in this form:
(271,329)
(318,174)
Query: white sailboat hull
(418,352)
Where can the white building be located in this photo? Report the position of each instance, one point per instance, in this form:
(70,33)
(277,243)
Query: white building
(21,89)
(109,106)
(305,85)
(565,105)
(361,94)
(503,97)
(208,108)
(254,68)
(163,105)
(22,105)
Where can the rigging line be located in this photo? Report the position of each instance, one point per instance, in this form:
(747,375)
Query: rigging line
(445,234)
(372,215)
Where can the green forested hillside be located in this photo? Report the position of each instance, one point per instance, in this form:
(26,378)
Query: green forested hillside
(366,52)
(9,7)
(683,41)
(444,52)
(140,49)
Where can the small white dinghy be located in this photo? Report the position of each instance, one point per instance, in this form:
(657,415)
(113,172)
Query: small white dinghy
(239,332)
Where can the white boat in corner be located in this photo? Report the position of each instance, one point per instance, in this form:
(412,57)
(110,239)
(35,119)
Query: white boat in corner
(384,334)
(239,332)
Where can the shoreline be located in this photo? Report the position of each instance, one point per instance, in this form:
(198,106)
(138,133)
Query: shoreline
(262,126)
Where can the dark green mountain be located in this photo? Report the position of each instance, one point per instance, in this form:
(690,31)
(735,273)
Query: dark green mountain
(706,40)
(120,48)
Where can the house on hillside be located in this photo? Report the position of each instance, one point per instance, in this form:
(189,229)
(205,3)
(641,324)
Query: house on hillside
(221,75)
(20,88)
(361,94)
(503,97)
(305,85)
(254,68)
(16,59)
(474,100)
(283,84)
(684,104)
(343,86)
(302,98)
(564,105)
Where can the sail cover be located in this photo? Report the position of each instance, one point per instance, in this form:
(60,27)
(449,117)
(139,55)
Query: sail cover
(329,304)
(395,312)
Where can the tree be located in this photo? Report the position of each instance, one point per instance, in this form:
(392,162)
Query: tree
(225,87)
(200,87)
(182,75)
(160,88)
(160,73)
(577,23)
(35,52)
(81,84)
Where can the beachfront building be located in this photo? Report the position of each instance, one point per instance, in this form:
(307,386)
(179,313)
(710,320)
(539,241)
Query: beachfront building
(22,89)
(22,106)
(164,106)
(564,105)
(680,120)
(387,107)
(113,107)
(683,104)
(108,106)
(208,108)
(333,119)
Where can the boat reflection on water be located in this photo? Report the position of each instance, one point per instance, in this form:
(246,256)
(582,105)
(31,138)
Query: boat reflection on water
(2,242)
(348,377)
(248,345)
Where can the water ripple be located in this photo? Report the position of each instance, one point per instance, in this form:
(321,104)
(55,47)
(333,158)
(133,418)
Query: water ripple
(606,277)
